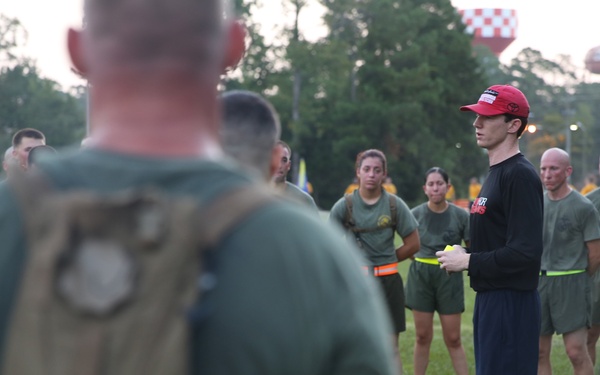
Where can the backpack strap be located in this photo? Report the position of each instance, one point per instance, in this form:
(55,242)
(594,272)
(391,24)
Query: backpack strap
(222,215)
(350,224)
(211,222)
(29,188)
(348,219)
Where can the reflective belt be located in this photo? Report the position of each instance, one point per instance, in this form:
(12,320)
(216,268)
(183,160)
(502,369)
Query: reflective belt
(433,261)
(383,270)
(560,273)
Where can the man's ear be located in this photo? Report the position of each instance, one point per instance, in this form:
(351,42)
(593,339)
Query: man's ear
(276,154)
(515,125)
(74,46)
(236,46)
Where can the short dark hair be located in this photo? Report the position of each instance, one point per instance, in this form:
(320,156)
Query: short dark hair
(250,128)
(27,133)
(509,117)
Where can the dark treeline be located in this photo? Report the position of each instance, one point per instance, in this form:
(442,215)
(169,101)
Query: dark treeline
(389,74)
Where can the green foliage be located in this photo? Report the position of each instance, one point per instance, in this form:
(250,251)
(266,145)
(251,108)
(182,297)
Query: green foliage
(490,66)
(26,100)
(259,61)
(413,70)
(12,35)
(558,98)
(391,74)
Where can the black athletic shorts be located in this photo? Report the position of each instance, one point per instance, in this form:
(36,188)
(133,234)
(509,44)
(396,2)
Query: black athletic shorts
(393,290)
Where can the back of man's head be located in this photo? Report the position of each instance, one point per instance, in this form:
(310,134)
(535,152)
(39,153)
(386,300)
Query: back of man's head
(249,130)
(143,36)
(156,65)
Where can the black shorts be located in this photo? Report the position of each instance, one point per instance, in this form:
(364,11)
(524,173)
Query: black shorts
(506,332)
(393,290)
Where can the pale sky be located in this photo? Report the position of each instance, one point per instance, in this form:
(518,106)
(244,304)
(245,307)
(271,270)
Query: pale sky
(552,27)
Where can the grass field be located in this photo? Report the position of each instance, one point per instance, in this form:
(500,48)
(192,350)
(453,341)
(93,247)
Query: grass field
(439,360)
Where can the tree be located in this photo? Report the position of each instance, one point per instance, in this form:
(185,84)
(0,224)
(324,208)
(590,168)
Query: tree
(408,68)
(557,99)
(258,65)
(490,66)
(12,35)
(26,100)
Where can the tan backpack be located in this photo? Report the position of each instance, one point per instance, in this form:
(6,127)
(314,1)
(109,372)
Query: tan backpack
(109,279)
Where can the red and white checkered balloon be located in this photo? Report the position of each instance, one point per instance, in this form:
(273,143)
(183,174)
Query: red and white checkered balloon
(495,28)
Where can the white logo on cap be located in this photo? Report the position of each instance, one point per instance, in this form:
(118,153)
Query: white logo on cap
(487,98)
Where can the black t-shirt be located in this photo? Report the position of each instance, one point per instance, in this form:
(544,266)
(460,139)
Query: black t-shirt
(506,228)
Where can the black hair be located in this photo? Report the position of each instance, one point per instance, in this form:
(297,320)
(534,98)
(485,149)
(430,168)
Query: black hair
(27,133)
(509,117)
(437,170)
(250,129)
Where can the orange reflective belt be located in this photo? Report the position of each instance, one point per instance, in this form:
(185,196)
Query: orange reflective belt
(383,270)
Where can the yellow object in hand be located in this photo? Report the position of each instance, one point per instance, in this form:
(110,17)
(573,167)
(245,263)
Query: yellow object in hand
(449,248)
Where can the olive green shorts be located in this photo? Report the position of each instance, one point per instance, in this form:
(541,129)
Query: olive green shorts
(430,289)
(393,290)
(566,303)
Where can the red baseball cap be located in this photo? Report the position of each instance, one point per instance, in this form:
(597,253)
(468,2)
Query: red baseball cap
(499,100)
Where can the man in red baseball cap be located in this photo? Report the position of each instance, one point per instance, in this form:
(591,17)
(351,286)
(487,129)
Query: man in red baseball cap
(506,240)
(502,100)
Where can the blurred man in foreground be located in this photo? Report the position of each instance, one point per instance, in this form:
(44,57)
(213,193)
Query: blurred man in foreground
(154,68)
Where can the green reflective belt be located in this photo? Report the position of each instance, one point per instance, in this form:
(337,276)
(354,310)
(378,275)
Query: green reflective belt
(433,261)
(560,273)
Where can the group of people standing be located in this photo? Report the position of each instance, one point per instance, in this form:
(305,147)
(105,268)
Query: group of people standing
(281,293)
(372,216)
(508,256)
(530,246)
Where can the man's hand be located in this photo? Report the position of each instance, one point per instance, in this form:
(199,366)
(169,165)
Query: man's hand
(455,260)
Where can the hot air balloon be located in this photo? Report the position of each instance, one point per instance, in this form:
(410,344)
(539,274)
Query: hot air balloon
(592,60)
(494,28)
